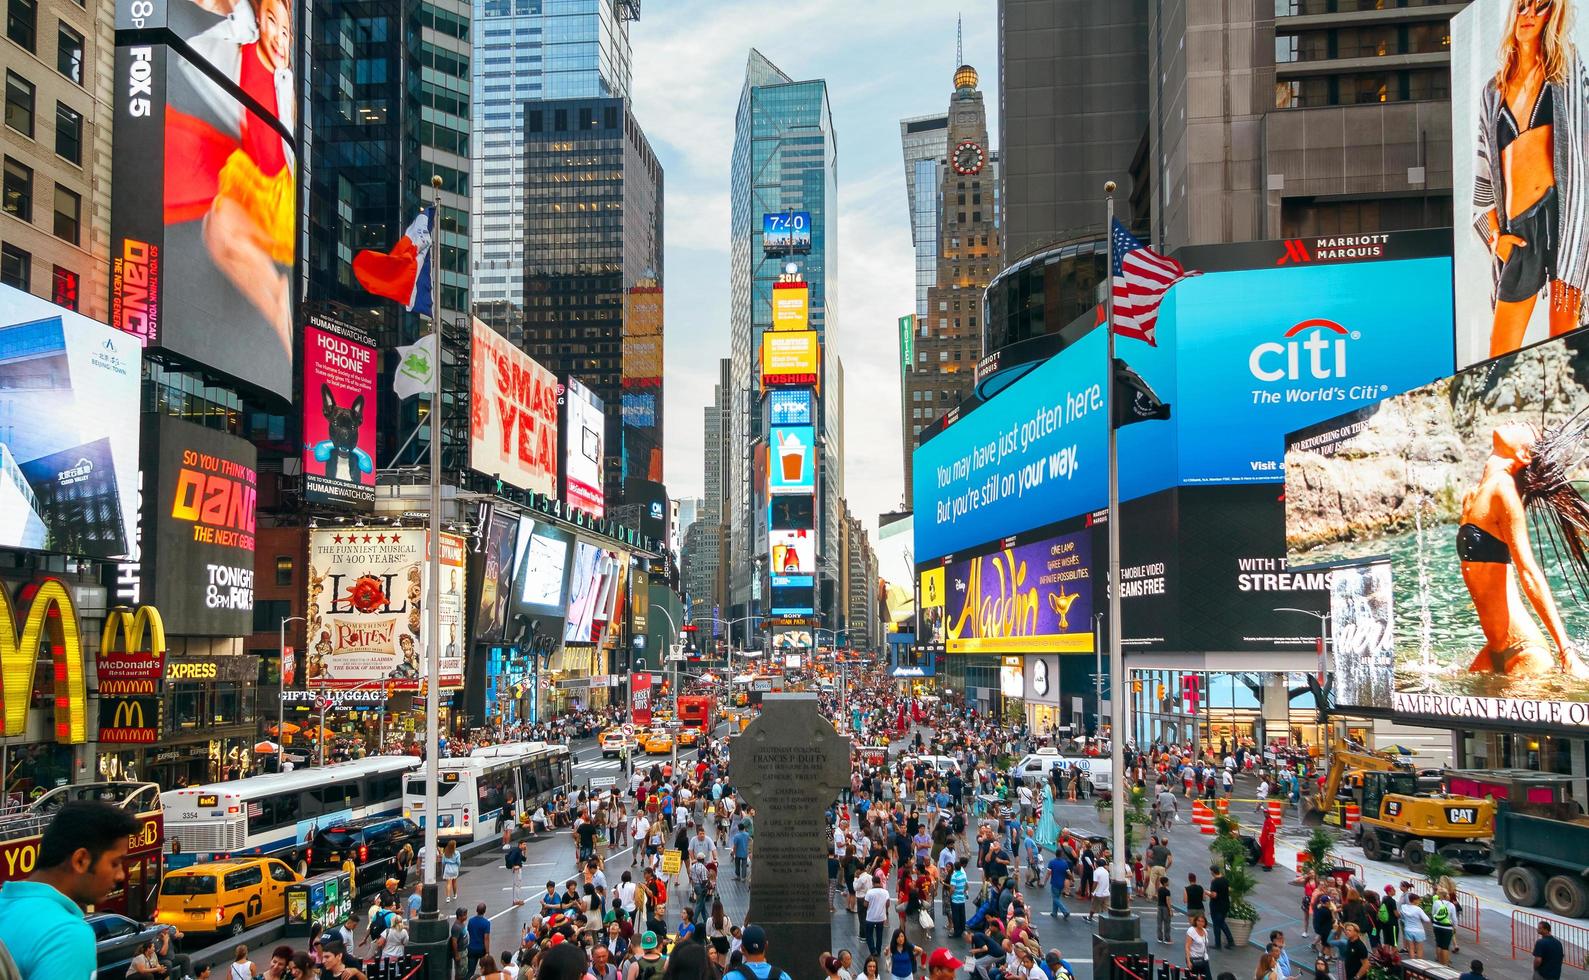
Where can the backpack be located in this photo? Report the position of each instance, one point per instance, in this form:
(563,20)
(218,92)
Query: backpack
(650,969)
(1384,913)
(746,973)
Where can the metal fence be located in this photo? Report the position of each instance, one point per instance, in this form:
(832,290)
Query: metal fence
(1574,938)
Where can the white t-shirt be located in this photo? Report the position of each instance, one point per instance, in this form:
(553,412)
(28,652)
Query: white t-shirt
(1414,920)
(876,904)
(1197,944)
(1100,881)
(626,892)
(863,883)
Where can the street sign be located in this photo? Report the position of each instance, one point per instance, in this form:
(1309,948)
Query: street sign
(602,782)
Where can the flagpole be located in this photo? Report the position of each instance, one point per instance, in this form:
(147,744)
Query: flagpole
(1117,714)
(433,600)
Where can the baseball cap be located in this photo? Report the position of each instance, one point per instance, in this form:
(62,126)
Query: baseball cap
(754,939)
(942,959)
(648,940)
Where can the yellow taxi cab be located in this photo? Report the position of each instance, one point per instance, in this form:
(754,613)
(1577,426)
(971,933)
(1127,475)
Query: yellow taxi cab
(613,741)
(657,742)
(224,896)
(688,736)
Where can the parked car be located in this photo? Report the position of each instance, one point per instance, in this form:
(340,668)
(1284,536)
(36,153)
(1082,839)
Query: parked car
(224,896)
(613,741)
(117,940)
(372,842)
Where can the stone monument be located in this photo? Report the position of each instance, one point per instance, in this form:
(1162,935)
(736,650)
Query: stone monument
(790,765)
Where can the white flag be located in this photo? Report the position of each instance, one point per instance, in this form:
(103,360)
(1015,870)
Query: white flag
(414,366)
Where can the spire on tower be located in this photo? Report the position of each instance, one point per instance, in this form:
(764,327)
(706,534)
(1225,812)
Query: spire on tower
(960,57)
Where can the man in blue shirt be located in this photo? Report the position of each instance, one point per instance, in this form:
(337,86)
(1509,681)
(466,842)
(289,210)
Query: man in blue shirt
(1058,874)
(741,844)
(79,863)
(479,936)
(754,944)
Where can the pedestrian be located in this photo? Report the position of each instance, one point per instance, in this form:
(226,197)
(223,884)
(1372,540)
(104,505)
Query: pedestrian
(334,962)
(1475,971)
(1415,926)
(78,863)
(479,929)
(1100,891)
(877,900)
(393,944)
(1548,954)
(451,868)
(1161,902)
(1196,946)
(1443,918)
(241,968)
(1219,905)
(1356,953)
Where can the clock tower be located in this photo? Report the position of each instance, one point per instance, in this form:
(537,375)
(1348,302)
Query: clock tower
(948,340)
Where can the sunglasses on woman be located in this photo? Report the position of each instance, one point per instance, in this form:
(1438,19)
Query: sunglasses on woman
(1536,6)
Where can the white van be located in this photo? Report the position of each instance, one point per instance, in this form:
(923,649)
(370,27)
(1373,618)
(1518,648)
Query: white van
(945,764)
(1035,768)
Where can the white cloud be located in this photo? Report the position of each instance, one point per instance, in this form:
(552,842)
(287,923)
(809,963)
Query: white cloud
(883,60)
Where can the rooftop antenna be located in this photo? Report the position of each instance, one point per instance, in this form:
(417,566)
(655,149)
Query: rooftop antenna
(960,55)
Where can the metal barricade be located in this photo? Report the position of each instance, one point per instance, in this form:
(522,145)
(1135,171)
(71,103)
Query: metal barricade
(1574,938)
(1468,913)
(1137,966)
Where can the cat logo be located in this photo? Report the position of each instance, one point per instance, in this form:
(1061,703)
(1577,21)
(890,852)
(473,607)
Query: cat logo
(52,618)
(1462,814)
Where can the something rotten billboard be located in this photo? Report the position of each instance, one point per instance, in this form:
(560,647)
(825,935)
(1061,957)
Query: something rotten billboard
(512,414)
(197,562)
(205,189)
(339,369)
(367,618)
(68,430)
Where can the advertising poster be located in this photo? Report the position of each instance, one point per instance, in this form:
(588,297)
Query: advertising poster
(931,601)
(640,698)
(68,431)
(205,189)
(584,429)
(790,358)
(794,460)
(792,595)
(367,616)
(791,306)
(512,414)
(1359,659)
(791,639)
(1028,598)
(198,531)
(584,590)
(339,369)
(496,576)
(785,407)
(129,696)
(786,232)
(1522,233)
(542,567)
(1472,489)
(793,552)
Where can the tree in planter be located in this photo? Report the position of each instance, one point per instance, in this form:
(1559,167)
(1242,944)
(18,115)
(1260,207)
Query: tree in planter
(1136,814)
(1231,851)
(1320,851)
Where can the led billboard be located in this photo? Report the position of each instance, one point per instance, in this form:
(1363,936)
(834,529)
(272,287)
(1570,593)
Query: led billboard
(584,431)
(494,576)
(792,595)
(68,431)
(791,306)
(790,358)
(1471,489)
(206,191)
(512,414)
(367,617)
(793,552)
(339,369)
(790,406)
(197,559)
(1025,598)
(786,232)
(541,567)
(584,590)
(793,466)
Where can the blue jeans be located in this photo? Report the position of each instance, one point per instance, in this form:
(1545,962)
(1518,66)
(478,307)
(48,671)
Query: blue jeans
(1059,905)
(1217,923)
(873,933)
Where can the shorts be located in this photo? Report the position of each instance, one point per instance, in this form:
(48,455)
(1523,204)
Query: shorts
(1444,935)
(1531,264)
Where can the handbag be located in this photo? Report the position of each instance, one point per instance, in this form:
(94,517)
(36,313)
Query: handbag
(924,919)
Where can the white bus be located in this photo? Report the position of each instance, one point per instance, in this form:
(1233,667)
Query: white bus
(473,788)
(279,810)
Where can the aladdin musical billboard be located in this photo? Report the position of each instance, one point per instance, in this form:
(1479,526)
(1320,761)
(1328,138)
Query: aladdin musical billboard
(1034,597)
(205,189)
(367,616)
(68,430)
(339,369)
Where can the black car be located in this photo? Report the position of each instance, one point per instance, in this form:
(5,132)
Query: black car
(117,940)
(373,843)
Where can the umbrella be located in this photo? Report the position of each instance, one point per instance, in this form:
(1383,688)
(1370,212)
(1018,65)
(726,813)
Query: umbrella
(287,727)
(266,748)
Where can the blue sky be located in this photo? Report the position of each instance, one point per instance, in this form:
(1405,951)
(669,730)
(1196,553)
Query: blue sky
(883,60)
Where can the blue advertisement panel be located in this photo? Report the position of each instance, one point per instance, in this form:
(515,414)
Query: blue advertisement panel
(792,595)
(1026,598)
(792,463)
(786,231)
(789,407)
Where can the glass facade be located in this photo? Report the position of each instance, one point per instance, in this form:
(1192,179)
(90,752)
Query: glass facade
(1225,708)
(785,157)
(592,231)
(1042,294)
(527,51)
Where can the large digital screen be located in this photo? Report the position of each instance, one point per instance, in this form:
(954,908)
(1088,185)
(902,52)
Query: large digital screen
(367,616)
(205,197)
(789,406)
(584,591)
(339,370)
(542,566)
(786,232)
(1472,489)
(1522,238)
(585,429)
(495,585)
(790,358)
(68,431)
(1359,658)
(512,414)
(792,595)
(792,511)
(793,552)
(794,460)
(1026,598)
(197,558)
(791,306)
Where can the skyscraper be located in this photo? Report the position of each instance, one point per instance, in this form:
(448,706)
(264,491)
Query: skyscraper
(705,540)
(527,51)
(592,249)
(785,158)
(925,140)
(948,337)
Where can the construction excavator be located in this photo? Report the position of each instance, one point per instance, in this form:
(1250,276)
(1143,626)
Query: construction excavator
(1396,816)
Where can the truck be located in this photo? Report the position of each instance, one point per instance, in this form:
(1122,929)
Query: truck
(695,711)
(1541,836)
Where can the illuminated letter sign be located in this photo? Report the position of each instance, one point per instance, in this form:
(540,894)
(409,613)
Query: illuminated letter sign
(50,606)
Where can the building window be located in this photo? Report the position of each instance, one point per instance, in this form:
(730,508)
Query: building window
(19,104)
(22,18)
(63,288)
(69,53)
(68,133)
(283,569)
(18,190)
(16,266)
(68,214)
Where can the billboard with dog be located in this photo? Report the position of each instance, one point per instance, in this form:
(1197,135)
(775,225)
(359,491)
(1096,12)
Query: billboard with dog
(339,369)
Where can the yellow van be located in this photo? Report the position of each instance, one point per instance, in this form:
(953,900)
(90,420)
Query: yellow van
(224,896)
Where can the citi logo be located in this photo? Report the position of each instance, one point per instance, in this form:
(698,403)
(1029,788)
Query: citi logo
(1325,347)
(1296,252)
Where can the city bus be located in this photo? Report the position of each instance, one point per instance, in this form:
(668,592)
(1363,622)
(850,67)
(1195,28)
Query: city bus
(472,789)
(695,711)
(21,829)
(281,810)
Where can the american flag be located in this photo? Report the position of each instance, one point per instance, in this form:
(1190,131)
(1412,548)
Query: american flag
(1141,277)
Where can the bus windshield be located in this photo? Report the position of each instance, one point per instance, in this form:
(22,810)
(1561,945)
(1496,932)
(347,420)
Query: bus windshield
(416,787)
(188,885)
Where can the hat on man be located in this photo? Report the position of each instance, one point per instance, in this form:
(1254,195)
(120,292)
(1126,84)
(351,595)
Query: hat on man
(942,959)
(648,940)
(754,939)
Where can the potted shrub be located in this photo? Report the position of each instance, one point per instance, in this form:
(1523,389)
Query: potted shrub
(1320,851)
(1136,814)
(1231,851)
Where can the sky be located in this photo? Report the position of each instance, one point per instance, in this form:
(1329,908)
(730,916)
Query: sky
(883,60)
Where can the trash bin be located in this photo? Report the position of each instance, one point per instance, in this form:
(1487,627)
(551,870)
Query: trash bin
(325,898)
